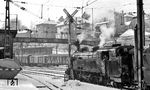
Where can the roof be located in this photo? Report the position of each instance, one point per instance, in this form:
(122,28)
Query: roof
(130,32)
(101,23)
(13,32)
(47,22)
(23,33)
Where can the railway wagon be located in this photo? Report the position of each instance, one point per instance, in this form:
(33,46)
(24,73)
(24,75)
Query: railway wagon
(43,60)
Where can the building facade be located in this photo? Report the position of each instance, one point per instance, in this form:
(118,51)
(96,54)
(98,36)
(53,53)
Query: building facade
(46,30)
(76,28)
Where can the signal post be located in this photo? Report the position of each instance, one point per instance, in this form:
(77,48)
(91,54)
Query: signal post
(70,20)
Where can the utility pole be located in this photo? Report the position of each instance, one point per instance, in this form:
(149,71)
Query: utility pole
(140,35)
(92,20)
(42,11)
(8,42)
(16,21)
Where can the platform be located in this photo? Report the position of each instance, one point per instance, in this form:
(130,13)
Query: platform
(23,84)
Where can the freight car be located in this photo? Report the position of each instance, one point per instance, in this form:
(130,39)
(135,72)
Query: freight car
(43,60)
(111,66)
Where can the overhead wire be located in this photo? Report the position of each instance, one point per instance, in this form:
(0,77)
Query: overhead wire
(52,5)
(24,9)
(22,2)
(79,7)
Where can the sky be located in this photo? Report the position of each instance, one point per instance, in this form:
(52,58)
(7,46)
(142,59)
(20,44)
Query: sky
(53,9)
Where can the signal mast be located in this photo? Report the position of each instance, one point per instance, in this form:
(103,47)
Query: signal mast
(8,40)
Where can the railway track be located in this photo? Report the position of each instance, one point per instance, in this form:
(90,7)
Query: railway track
(49,70)
(60,68)
(45,84)
(43,73)
(53,71)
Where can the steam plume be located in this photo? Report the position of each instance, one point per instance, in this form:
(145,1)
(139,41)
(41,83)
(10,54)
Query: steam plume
(106,34)
(85,36)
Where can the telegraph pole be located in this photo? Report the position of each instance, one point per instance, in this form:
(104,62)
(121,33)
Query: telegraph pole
(140,35)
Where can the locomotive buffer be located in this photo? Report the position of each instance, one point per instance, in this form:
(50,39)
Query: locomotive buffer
(70,20)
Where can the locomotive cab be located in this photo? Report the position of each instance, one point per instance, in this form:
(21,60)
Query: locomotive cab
(126,64)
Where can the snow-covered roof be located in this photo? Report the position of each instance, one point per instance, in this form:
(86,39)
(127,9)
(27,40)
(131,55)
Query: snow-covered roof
(130,32)
(47,22)
(101,23)
(128,23)
(22,31)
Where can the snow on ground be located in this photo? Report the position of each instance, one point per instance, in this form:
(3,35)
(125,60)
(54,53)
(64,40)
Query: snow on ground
(77,85)
(23,84)
(71,84)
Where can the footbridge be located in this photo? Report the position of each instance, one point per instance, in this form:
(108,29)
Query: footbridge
(52,40)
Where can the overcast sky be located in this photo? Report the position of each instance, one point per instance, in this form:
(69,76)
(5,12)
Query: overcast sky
(53,9)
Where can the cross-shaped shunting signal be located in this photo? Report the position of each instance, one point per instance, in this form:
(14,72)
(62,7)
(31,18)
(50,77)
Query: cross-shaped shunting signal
(69,17)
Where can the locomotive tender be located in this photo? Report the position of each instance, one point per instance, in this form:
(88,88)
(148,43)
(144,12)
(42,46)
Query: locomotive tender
(110,66)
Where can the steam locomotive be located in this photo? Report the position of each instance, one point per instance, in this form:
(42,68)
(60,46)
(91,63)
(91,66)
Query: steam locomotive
(110,66)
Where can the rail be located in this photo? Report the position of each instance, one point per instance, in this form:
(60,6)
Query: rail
(39,82)
(45,85)
(36,72)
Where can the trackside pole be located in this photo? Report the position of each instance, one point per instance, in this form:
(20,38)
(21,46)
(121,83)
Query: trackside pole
(69,51)
(140,35)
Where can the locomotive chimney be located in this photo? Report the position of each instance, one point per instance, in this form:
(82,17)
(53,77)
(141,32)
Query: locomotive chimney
(77,44)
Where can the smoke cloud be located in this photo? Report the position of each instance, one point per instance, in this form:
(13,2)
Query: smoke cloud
(106,34)
(85,35)
(104,31)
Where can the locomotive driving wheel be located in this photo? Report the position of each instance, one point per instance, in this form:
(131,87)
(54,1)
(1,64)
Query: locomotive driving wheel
(94,79)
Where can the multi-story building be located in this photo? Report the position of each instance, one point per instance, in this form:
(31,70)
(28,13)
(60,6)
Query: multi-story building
(46,29)
(81,24)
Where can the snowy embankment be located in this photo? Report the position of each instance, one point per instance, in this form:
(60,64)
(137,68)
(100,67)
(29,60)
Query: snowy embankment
(77,85)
